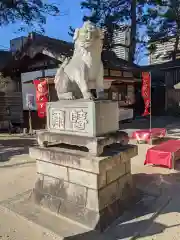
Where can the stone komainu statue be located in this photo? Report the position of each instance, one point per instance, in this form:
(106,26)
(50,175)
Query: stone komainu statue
(84,71)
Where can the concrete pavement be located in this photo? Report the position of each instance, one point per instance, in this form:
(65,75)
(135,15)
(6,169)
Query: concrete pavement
(163,183)
(21,220)
(16,180)
(156,216)
(13,182)
(14,227)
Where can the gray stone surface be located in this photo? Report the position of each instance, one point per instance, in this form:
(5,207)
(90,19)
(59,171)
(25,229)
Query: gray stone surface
(92,188)
(83,117)
(51,226)
(93,191)
(73,159)
(95,145)
(157,181)
(15,227)
(115,173)
(50,169)
(20,217)
(66,157)
(83,178)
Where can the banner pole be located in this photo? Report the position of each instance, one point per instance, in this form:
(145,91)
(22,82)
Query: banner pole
(30,123)
(47,82)
(150,110)
(49,99)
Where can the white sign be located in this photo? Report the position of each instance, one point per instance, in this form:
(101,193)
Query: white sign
(30,101)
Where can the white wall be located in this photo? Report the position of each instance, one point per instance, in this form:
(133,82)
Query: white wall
(51,72)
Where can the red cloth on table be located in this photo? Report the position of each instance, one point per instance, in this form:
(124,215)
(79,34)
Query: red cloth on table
(162,153)
(146,134)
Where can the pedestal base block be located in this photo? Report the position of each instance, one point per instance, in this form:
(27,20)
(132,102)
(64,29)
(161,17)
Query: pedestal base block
(95,145)
(93,191)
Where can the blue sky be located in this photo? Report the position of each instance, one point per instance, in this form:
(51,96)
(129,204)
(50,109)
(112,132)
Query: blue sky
(56,27)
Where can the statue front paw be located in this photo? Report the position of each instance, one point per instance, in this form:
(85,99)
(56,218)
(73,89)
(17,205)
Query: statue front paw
(70,98)
(88,96)
(66,96)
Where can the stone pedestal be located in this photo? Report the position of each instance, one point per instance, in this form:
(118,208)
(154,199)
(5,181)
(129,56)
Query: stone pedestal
(83,172)
(95,145)
(83,123)
(83,117)
(91,190)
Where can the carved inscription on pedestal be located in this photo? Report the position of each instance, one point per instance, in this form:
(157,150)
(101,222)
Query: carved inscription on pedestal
(79,119)
(58,120)
(69,120)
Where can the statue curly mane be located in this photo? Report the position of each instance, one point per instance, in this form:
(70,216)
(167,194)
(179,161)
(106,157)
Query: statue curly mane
(84,53)
(85,47)
(84,70)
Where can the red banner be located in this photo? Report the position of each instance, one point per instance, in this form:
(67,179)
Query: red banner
(146,91)
(41,96)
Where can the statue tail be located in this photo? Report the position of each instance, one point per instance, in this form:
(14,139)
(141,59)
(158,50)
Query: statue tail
(60,77)
(60,71)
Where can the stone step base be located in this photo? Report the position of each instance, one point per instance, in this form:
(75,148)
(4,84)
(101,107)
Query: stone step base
(14,226)
(62,227)
(131,225)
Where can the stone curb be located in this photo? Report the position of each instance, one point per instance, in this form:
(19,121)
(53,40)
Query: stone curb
(17,164)
(19,136)
(44,230)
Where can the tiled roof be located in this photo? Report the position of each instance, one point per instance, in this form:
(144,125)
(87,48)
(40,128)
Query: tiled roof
(111,61)
(38,44)
(59,49)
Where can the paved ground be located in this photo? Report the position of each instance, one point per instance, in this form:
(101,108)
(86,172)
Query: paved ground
(172,124)
(14,181)
(165,184)
(14,150)
(157,216)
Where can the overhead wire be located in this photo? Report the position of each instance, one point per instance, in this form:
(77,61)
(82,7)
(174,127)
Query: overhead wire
(4,47)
